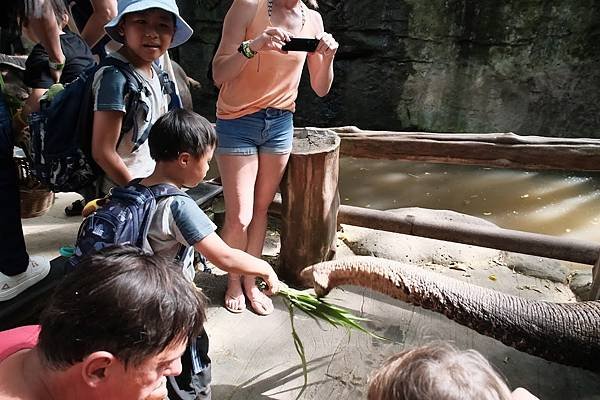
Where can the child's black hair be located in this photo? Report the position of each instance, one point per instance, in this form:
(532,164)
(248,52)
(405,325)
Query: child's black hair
(181,131)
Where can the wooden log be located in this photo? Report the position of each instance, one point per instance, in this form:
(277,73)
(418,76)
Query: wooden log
(504,150)
(536,244)
(310,201)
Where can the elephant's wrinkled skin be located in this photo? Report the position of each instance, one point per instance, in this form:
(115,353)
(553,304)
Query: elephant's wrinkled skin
(568,333)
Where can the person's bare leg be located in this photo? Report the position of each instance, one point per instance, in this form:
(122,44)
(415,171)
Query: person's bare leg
(270,171)
(238,175)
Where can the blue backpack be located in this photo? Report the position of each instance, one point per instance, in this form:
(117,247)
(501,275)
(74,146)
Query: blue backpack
(123,220)
(61,132)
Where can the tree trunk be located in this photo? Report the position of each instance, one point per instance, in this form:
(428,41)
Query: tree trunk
(310,201)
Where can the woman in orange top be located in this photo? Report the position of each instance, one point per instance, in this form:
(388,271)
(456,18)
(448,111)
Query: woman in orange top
(258,84)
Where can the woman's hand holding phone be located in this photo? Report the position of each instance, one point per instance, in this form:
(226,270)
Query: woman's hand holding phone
(327,45)
(271,38)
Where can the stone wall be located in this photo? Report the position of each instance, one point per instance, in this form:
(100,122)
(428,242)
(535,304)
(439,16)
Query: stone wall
(526,66)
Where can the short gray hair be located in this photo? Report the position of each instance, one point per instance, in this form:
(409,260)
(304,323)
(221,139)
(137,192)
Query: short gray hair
(437,371)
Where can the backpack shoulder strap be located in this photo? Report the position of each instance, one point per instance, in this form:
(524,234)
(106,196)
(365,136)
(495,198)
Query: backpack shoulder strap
(168,87)
(161,191)
(134,89)
(133,193)
(158,191)
(133,80)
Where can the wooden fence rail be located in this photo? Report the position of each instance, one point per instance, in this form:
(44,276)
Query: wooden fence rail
(503,150)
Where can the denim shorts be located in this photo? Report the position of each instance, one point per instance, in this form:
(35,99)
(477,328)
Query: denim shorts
(265,131)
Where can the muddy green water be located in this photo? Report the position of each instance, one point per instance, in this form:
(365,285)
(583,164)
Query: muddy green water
(554,203)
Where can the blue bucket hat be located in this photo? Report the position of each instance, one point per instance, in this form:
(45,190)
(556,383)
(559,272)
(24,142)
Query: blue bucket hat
(182,30)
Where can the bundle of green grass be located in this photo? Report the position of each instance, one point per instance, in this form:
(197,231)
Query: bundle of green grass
(319,310)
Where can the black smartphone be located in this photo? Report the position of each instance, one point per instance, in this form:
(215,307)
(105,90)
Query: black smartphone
(301,44)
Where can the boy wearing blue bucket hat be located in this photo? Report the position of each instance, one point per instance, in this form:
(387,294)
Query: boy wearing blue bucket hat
(146,29)
(182,30)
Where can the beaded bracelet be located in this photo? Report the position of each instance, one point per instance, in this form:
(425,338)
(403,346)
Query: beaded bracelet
(246,50)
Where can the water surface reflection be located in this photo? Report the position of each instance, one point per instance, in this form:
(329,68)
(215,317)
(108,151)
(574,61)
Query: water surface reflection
(550,202)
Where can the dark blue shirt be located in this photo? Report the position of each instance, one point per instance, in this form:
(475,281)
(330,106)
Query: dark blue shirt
(78,58)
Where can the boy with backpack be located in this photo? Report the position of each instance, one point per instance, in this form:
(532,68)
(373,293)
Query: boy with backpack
(182,144)
(147,29)
(172,225)
(129,92)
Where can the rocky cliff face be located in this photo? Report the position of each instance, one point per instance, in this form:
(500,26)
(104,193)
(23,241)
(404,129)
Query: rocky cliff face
(531,67)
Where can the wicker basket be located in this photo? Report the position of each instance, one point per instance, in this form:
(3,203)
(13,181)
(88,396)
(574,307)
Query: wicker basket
(36,199)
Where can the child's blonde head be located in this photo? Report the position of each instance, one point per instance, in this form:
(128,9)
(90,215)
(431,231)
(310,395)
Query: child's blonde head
(437,371)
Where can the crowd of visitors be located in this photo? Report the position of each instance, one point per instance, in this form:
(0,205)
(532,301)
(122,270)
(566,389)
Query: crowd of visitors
(127,322)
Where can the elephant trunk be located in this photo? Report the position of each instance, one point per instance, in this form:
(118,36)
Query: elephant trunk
(568,333)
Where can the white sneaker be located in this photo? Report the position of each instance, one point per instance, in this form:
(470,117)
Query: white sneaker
(11,286)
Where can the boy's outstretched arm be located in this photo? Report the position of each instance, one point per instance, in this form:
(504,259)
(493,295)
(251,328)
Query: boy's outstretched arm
(105,137)
(233,260)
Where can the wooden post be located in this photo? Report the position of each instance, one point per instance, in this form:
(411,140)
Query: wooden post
(310,201)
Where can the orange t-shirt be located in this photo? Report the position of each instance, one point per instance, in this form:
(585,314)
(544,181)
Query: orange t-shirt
(269,79)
